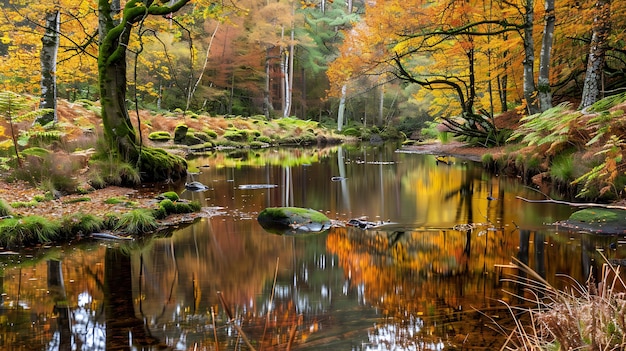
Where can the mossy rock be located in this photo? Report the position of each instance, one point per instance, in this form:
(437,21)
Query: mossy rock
(293,220)
(180,132)
(171,195)
(236,135)
(160,136)
(159,165)
(597,220)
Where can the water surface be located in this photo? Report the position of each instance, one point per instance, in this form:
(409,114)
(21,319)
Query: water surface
(455,229)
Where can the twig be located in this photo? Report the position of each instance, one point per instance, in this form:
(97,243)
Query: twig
(217,345)
(574,204)
(267,321)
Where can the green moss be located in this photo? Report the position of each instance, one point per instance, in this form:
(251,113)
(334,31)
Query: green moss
(596,215)
(168,206)
(21,204)
(160,136)
(296,214)
(171,195)
(211,133)
(236,135)
(264,139)
(115,200)
(180,132)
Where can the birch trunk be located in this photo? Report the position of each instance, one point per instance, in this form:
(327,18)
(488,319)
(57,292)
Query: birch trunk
(48,57)
(342,108)
(530,90)
(543,82)
(592,89)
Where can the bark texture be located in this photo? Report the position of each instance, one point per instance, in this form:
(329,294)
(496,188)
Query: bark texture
(592,89)
(48,58)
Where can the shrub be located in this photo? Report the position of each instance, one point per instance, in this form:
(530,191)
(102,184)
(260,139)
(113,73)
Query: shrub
(5,209)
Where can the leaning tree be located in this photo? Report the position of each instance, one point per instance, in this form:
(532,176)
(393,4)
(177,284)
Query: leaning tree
(115,29)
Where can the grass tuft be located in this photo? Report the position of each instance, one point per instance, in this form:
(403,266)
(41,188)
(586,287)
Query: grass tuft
(137,221)
(583,317)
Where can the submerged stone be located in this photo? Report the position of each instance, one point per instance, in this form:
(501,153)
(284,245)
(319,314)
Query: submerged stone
(293,220)
(597,220)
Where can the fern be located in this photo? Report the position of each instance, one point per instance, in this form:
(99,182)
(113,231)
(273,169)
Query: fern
(552,128)
(602,177)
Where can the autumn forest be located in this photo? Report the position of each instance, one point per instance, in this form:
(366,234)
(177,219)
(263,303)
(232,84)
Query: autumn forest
(382,60)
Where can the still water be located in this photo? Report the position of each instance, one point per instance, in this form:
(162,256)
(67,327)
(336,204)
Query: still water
(433,282)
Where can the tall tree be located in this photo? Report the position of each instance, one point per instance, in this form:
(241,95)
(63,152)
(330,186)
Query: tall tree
(543,82)
(49,50)
(597,50)
(155,164)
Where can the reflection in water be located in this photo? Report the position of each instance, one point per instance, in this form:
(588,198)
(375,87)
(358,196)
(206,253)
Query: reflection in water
(450,234)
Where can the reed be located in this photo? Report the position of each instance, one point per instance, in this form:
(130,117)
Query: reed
(590,316)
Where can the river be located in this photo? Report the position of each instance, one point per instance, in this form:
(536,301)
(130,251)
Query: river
(440,275)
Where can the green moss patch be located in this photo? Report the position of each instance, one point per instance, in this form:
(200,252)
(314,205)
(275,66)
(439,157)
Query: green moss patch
(597,220)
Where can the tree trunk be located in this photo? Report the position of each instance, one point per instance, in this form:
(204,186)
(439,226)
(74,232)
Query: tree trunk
(48,57)
(342,108)
(381,105)
(530,91)
(267,103)
(592,89)
(543,82)
(153,164)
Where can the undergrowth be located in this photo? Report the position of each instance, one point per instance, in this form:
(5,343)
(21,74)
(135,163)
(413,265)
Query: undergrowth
(583,317)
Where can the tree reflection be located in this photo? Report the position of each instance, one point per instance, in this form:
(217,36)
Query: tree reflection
(56,288)
(123,328)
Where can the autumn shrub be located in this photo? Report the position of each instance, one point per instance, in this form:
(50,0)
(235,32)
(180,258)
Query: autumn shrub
(137,221)
(50,171)
(582,317)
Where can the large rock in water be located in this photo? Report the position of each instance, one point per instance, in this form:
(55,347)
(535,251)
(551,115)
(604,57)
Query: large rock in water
(293,220)
(597,221)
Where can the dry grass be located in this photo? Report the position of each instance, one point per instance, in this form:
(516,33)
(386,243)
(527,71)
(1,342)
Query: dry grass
(583,317)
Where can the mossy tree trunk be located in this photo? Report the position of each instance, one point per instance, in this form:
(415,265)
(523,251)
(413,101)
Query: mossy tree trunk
(118,129)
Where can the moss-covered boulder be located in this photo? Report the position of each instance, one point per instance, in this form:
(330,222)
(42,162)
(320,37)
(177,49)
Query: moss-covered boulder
(293,220)
(160,136)
(597,220)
